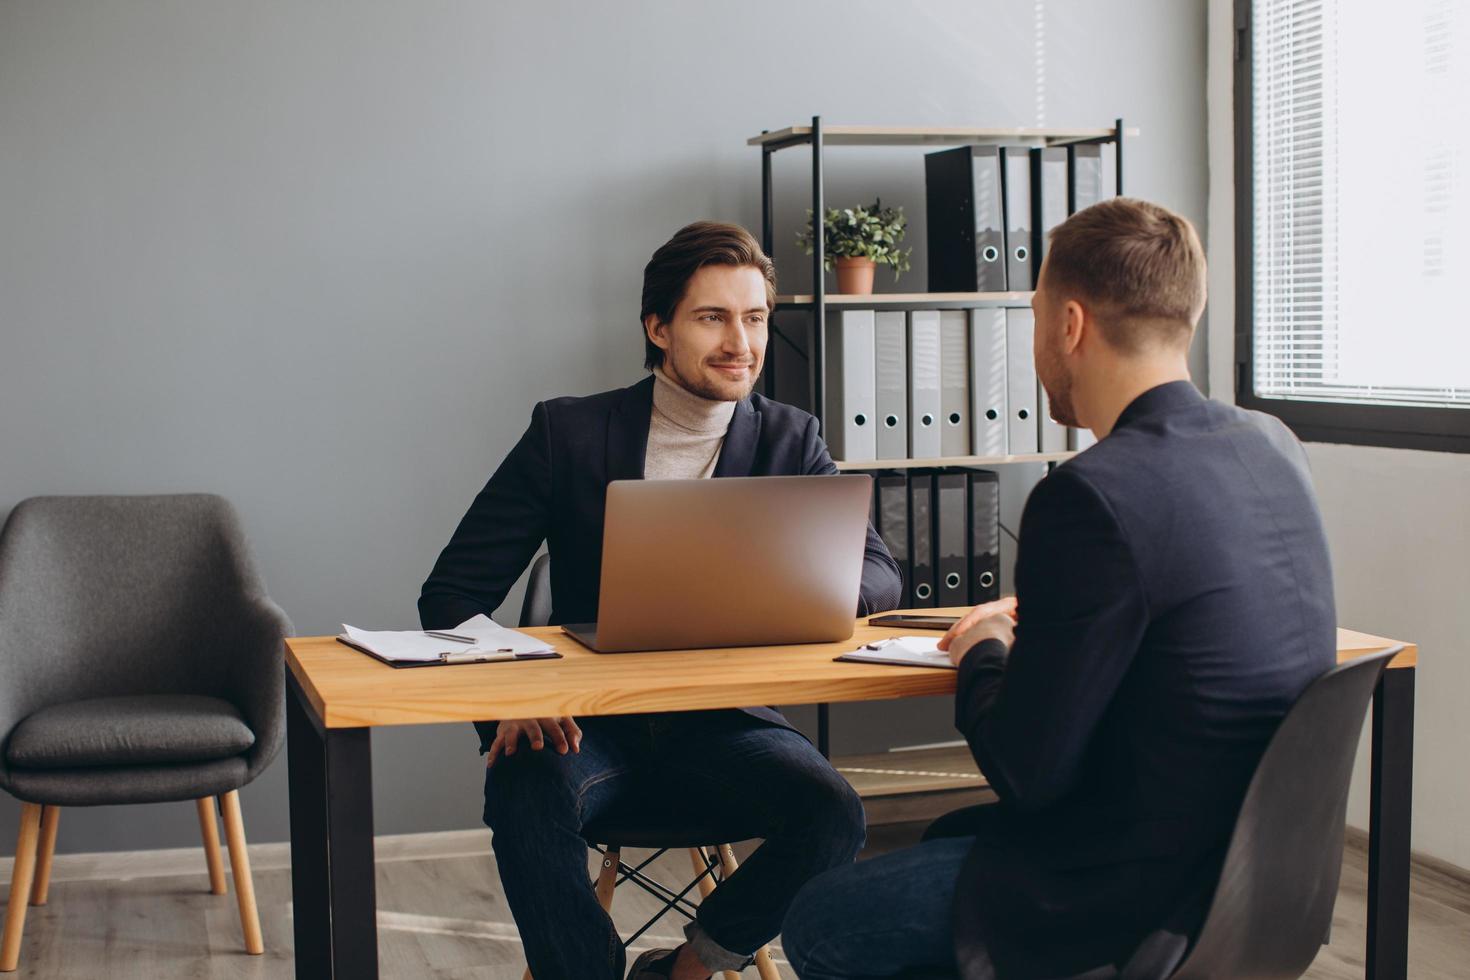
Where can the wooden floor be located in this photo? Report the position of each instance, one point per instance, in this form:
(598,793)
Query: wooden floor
(442,915)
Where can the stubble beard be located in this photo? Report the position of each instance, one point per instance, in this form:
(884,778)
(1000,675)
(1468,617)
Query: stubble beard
(1059,393)
(708,390)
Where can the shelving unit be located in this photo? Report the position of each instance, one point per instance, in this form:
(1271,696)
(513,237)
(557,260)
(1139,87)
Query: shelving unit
(818,137)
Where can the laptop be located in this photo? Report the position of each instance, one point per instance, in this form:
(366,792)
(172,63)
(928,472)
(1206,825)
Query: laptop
(737,561)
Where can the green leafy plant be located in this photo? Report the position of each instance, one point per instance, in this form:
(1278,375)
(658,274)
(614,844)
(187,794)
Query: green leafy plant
(870,233)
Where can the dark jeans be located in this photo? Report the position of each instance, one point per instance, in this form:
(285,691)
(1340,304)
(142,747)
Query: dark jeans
(753,773)
(885,917)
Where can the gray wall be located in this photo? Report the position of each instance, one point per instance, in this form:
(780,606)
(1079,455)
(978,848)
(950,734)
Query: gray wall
(323,257)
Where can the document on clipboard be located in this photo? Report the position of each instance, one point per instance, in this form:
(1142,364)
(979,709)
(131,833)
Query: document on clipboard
(477,640)
(902,651)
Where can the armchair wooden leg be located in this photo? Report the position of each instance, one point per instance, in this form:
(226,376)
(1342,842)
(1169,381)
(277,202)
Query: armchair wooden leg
(699,859)
(21,877)
(50,815)
(763,964)
(240,866)
(209,830)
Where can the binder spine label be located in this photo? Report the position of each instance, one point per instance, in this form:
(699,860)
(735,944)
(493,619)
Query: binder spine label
(851,409)
(984,544)
(954,378)
(891,342)
(1021,431)
(988,381)
(924,391)
(990,238)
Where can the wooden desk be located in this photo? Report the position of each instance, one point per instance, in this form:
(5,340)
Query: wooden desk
(336,696)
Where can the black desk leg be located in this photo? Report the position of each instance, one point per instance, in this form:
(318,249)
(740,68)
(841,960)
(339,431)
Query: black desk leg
(1389,810)
(824,725)
(334,901)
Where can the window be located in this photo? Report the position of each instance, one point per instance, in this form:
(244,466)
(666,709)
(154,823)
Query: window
(1353,218)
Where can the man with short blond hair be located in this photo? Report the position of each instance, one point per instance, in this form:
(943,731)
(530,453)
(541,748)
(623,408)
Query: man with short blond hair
(1173,598)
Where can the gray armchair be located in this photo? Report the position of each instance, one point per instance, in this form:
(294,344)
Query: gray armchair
(140,662)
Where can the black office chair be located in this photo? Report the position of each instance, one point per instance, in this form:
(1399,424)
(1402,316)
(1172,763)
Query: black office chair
(691,829)
(1273,902)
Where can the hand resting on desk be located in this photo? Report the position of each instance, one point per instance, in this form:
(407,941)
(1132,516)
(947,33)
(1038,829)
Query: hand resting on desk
(989,620)
(563,732)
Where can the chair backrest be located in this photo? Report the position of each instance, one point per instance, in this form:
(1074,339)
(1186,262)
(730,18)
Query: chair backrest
(536,608)
(114,595)
(1273,903)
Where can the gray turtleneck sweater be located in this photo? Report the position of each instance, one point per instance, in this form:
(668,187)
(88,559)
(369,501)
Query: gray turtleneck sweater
(685,432)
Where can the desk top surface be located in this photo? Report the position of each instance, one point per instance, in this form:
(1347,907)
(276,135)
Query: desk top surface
(349,689)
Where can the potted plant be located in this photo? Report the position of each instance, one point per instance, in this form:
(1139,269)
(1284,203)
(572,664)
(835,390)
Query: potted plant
(857,241)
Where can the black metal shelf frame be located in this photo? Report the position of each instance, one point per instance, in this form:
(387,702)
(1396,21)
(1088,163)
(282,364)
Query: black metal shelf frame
(816,360)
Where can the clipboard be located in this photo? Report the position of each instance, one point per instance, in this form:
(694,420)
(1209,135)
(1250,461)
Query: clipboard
(452,660)
(862,657)
(898,653)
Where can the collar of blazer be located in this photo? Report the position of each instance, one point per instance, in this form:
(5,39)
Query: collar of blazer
(1168,397)
(627,435)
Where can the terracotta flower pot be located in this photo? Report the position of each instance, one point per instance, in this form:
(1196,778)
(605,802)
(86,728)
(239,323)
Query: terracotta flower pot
(855,275)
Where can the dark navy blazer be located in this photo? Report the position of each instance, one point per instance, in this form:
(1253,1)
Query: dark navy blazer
(553,486)
(1175,597)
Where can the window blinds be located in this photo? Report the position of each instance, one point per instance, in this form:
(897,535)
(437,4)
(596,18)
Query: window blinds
(1361,165)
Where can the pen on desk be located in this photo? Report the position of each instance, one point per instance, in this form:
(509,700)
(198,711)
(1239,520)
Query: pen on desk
(439,634)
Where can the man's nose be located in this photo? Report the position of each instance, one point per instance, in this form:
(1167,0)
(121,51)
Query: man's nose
(737,338)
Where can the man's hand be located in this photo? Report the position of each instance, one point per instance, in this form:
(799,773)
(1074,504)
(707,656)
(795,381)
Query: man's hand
(1005,607)
(563,732)
(998,627)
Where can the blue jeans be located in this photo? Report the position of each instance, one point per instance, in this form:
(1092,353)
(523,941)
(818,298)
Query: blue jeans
(749,771)
(880,918)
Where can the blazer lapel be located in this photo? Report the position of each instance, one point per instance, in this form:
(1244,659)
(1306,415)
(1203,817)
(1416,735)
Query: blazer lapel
(738,452)
(627,432)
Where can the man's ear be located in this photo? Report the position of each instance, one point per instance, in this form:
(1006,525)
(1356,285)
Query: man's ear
(657,331)
(1076,324)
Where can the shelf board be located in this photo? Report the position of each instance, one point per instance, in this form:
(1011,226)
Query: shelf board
(881,299)
(914,464)
(927,135)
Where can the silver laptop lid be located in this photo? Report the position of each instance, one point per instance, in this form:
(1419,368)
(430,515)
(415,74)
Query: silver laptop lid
(736,561)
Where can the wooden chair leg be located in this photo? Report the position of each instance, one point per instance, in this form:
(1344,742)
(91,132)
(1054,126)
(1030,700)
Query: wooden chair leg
(607,879)
(209,830)
(240,866)
(698,858)
(700,861)
(763,964)
(21,877)
(45,851)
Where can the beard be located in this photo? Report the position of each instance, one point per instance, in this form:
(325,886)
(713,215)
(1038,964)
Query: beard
(1058,385)
(711,390)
